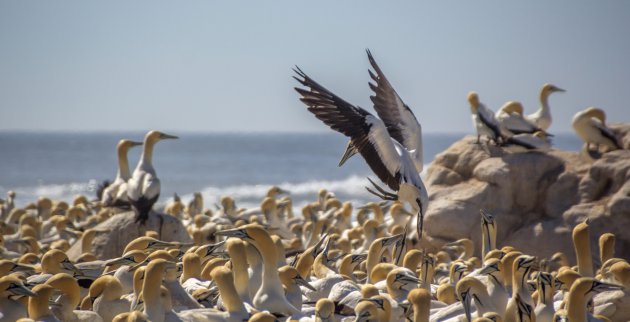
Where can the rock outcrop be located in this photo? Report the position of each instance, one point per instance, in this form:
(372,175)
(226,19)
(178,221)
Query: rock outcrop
(536,197)
(120,229)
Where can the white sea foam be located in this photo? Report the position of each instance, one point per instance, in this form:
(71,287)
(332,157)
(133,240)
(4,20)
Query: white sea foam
(349,189)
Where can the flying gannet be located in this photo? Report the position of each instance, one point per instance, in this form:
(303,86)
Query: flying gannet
(143,188)
(400,121)
(388,158)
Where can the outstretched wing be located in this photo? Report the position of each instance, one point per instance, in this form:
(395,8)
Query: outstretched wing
(367,132)
(400,121)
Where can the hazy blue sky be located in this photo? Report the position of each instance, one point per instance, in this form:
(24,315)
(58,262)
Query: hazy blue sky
(226,65)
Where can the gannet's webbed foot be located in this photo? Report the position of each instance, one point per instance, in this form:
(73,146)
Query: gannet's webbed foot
(382,193)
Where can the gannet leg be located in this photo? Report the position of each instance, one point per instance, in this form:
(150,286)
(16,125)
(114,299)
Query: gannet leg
(384,197)
(381,190)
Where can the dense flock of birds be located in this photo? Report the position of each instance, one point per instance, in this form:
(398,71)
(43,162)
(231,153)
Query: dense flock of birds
(335,262)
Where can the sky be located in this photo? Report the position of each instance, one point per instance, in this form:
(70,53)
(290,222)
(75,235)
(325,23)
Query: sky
(226,66)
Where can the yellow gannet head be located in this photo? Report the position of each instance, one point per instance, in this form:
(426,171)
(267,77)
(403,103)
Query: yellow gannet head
(402,278)
(473,99)
(263,317)
(325,309)
(44,203)
(513,107)
(383,306)
(146,243)
(14,286)
(274,191)
(465,289)
(567,277)
(549,88)
(289,275)
(54,260)
(597,113)
(66,284)
(621,271)
(155,136)
(80,200)
(491,266)
(124,145)
(590,286)
(366,311)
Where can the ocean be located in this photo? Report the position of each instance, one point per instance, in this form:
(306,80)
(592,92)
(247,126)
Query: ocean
(62,165)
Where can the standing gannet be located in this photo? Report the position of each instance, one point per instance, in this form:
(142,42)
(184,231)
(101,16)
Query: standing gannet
(484,120)
(115,195)
(388,159)
(495,285)
(469,289)
(488,233)
(270,296)
(10,308)
(542,117)
(521,267)
(151,288)
(590,125)
(400,121)
(143,188)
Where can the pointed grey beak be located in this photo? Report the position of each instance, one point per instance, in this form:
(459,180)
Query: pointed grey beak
(119,261)
(350,151)
(165,136)
(238,233)
(300,281)
(19,289)
(466,299)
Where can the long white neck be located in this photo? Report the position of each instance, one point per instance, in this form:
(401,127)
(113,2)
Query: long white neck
(544,105)
(146,159)
(123,165)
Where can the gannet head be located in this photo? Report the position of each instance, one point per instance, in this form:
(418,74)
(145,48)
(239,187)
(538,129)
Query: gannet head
(124,144)
(525,262)
(401,278)
(383,306)
(621,272)
(14,285)
(366,311)
(549,88)
(465,289)
(546,283)
(325,309)
(154,136)
(513,107)
(274,191)
(11,194)
(490,267)
(54,260)
(590,286)
(66,284)
(289,275)
(473,99)
(597,113)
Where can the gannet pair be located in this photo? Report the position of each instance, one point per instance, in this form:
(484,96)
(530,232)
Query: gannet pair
(590,125)
(391,146)
(115,194)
